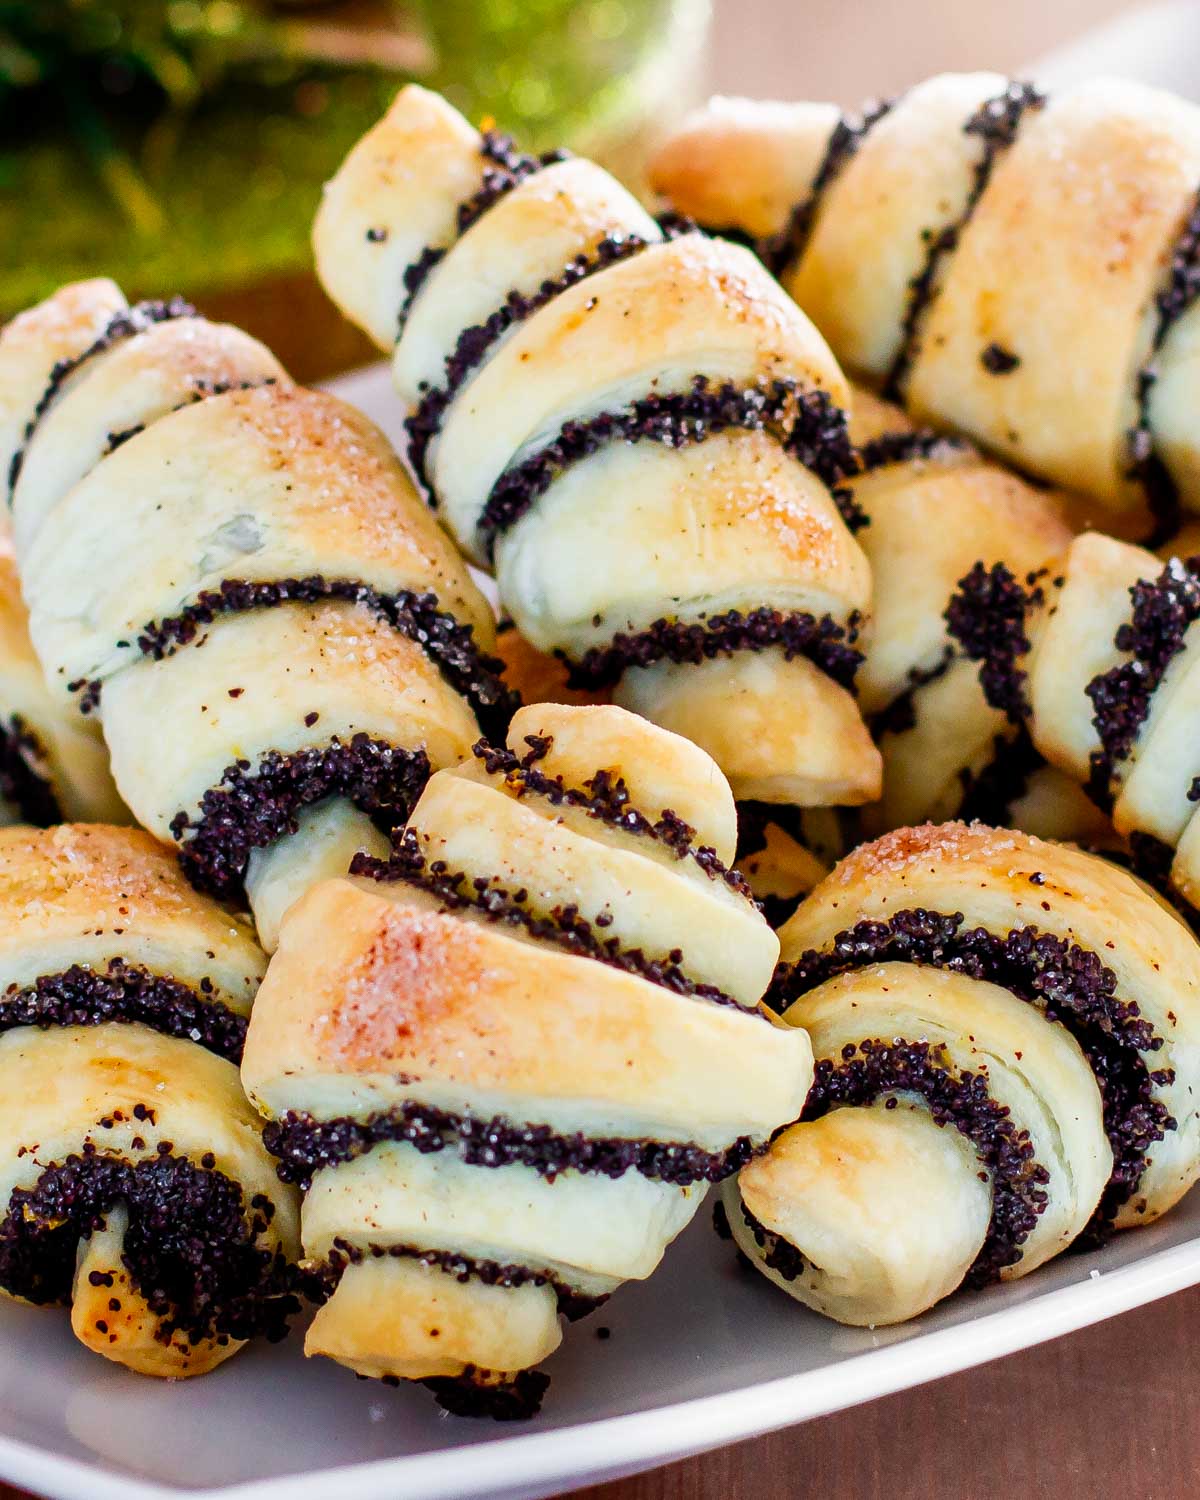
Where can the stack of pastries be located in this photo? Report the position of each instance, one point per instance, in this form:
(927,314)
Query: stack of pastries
(845,850)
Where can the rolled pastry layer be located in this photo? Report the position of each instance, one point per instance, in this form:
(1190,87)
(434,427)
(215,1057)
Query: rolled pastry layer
(937,509)
(1015,267)
(1005,1032)
(505,1061)
(633,425)
(136,1187)
(1094,658)
(243,565)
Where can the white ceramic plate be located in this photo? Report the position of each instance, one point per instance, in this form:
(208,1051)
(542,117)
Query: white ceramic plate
(702,1355)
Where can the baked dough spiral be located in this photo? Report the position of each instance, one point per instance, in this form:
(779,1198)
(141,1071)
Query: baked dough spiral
(1095,656)
(53,763)
(241,565)
(1005,1032)
(936,508)
(505,1062)
(633,426)
(1017,267)
(135,1182)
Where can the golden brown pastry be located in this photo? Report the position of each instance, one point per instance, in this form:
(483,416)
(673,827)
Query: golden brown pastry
(278,638)
(1095,656)
(53,762)
(135,1183)
(505,1062)
(1006,1036)
(1019,268)
(633,426)
(935,509)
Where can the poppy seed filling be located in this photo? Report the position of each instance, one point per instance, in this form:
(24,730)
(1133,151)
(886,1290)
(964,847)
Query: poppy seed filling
(990,794)
(475,343)
(778,251)
(449,644)
(900,715)
(504,169)
(1164,609)
(778,1253)
(1145,467)
(321,1281)
(995,123)
(24,780)
(1069,984)
(81,996)
(909,447)
(305,1146)
(479,1393)
(807,423)
(251,808)
(828,645)
(872,1069)
(986,616)
(192,1249)
(607,798)
(562,926)
(123,325)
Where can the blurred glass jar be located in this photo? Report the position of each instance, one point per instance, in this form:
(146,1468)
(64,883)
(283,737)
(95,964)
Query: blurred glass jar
(181,144)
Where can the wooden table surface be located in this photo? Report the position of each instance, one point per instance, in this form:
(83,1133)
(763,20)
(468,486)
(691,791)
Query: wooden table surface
(1103,1413)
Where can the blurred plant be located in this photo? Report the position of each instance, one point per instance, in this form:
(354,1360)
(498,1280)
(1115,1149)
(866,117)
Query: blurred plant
(152,63)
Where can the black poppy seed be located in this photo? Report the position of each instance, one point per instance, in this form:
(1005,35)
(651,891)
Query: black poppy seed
(778,1253)
(188,1247)
(778,251)
(475,343)
(997,360)
(305,1145)
(900,715)
(1182,286)
(475,1393)
(251,809)
(321,1281)
(562,926)
(122,325)
(958,1098)
(81,996)
(986,616)
(1069,984)
(504,169)
(826,643)
(908,447)
(995,123)
(990,793)
(449,644)
(808,425)
(1164,609)
(25,782)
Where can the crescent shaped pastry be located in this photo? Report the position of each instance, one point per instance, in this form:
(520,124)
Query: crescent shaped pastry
(211,550)
(1096,657)
(504,1062)
(633,425)
(1017,267)
(937,508)
(135,1185)
(1005,1031)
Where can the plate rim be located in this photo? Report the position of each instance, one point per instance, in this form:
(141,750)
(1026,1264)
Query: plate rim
(540,1462)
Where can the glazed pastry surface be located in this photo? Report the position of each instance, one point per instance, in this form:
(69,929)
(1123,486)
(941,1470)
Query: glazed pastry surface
(243,564)
(133,1178)
(1016,267)
(505,1061)
(1005,1033)
(1096,659)
(634,426)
